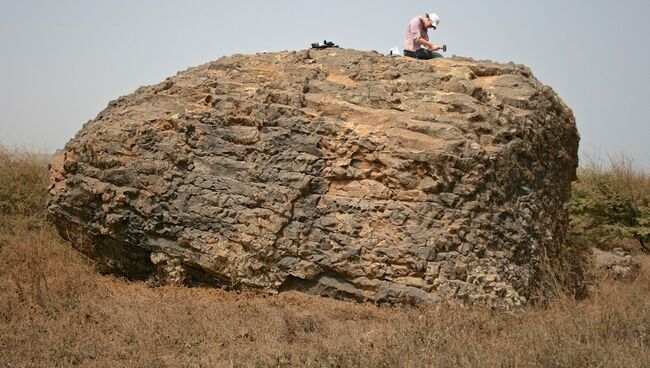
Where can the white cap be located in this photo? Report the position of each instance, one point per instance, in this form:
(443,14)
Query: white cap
(435,19)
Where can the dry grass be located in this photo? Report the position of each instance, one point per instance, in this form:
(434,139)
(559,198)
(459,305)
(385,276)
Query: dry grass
(56,311)
(23,180)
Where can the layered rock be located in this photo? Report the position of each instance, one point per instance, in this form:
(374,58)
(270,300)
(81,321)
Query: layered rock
(336,172)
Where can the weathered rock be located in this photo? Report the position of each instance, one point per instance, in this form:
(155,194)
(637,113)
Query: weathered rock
(336,172)
(617,264)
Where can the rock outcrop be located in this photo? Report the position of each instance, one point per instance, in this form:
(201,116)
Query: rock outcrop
(617,264)
(336,172)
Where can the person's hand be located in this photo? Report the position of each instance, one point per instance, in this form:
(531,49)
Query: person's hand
(434,47)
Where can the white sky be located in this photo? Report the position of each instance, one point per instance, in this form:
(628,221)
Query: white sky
(62,61)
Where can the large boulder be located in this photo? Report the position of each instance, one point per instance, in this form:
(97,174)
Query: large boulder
(336,172)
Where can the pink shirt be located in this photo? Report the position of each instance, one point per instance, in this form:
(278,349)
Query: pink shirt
(414,32)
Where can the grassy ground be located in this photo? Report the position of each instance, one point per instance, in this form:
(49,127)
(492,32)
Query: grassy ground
(56,311)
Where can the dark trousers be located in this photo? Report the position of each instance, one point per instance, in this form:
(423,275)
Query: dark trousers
(422,54)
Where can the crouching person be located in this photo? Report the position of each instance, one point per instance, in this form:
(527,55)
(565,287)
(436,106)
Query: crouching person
(416,43)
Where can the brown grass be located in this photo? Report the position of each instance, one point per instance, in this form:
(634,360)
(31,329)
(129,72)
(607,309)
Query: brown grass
(56,311)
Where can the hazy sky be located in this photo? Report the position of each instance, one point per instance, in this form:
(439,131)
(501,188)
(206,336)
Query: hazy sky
(62,61)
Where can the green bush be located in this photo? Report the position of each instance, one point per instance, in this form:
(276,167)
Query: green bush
(611,204)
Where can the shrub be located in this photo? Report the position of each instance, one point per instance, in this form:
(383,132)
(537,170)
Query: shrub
(610,204)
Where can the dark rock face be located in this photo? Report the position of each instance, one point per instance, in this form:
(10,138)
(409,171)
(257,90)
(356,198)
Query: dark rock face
(336,172)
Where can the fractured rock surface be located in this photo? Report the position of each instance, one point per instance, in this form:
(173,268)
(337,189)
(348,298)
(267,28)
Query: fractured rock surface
(336,172)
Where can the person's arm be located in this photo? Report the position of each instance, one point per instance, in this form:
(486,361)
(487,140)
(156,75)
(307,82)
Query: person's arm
(429,45)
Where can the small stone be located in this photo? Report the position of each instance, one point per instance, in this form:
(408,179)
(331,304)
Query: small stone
(490,278)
